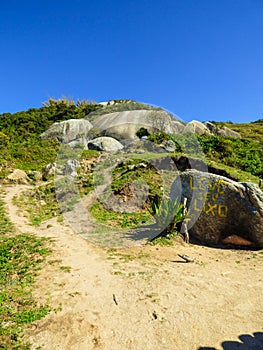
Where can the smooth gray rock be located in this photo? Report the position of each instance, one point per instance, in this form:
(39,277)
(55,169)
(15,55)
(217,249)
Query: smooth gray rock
(104,143)
(124,125)
(219,207)
(68,130)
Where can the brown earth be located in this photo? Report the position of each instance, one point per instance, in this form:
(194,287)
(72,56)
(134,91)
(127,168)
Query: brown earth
(143,297)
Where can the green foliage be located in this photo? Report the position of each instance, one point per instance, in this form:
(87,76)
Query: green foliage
(167,213)
(21,257)
(142,132)
(159,137)
(19,142)
(244,154)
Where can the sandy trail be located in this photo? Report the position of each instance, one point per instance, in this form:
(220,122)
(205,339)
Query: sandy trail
(143,297)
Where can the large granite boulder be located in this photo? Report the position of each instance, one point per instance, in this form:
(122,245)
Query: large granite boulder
(104,143)
(68,130)
(219,207)
(124,125)
(196,127)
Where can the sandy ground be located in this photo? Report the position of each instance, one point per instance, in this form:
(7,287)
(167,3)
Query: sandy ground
(144,297)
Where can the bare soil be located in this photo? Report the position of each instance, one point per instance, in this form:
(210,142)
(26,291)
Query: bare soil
(143,297)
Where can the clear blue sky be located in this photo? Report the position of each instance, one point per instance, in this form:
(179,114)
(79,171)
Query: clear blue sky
(200,59)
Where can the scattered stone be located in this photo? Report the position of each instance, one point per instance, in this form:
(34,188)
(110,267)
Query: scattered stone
(186,258)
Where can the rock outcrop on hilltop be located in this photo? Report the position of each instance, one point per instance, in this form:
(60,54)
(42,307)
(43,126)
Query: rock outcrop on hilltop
(219,207)
(125,124)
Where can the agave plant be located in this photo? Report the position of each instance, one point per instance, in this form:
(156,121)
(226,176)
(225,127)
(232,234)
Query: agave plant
(167,213)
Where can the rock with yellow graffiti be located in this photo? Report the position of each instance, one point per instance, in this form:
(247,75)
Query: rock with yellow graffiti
(219,207)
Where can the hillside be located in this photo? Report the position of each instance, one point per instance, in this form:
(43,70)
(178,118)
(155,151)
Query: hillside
(20,146)
(104,263)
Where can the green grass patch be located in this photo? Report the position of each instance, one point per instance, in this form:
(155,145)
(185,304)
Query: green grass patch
(40,203)
(21,257)
(118,220)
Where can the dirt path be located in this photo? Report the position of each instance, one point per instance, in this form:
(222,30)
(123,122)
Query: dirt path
(143,297)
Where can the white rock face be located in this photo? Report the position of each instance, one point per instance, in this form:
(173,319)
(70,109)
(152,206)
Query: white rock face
(68,130)
(124,125)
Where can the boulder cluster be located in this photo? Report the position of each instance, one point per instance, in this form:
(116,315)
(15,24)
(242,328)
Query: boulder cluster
(116,128)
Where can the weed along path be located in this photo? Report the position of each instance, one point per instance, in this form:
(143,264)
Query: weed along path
(143,297)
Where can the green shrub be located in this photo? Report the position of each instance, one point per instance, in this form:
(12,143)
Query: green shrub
(167,213)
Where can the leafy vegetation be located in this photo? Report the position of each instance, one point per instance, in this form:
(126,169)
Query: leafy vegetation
(245,154)
(167,213)
(20,146)
(21,256)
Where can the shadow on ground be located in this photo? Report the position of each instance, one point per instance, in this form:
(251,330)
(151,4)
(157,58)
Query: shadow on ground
(247,342)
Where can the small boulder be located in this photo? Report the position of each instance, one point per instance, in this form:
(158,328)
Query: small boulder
(104,143)
(48,171)
(226,132)
(219,207)
(17,176)
(169,146)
